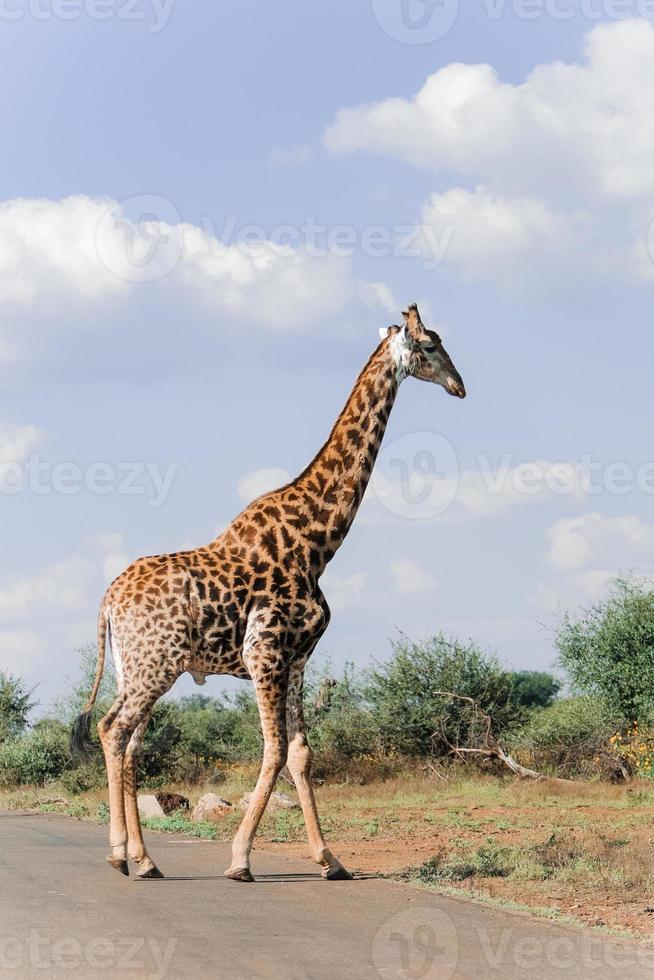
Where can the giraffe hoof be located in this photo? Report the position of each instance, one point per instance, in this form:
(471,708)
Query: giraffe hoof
(338,874)
(120,864)
(152,872)
(239,874)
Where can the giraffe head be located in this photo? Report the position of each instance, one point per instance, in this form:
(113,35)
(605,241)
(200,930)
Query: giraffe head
(421,353)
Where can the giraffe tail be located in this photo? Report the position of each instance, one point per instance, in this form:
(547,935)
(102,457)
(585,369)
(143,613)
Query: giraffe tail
(81,745)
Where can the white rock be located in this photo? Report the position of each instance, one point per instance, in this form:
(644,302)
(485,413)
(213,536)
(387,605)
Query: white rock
(278,801)
(210,807)
(149,806)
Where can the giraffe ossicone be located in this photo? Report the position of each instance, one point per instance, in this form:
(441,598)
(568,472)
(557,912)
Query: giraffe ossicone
(249,604)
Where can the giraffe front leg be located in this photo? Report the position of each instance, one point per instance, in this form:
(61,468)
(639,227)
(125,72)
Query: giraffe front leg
(299,764)
(270,680)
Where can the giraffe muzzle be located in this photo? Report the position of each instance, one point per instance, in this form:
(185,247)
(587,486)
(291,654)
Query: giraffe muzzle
(455,387)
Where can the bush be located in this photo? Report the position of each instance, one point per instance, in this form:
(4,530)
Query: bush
(84,777)
(225,728)
(635,745)
(570,737)
(15,705)
(412,721)
(608,649)
(340,724)
(160,752)
(34,759)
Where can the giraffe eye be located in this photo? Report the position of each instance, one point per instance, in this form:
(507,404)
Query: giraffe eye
(430,349)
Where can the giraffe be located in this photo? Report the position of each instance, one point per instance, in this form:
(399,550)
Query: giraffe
(249,604)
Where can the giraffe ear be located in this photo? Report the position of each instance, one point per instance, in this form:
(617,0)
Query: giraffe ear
(384,332)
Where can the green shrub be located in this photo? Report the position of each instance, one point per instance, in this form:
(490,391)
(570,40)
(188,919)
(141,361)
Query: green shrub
(223,728)
(569,722)
(34,759)
(340,724)
(412,720)
(608,649)
(84,777)
(160,752)
(15,705)
(567,737)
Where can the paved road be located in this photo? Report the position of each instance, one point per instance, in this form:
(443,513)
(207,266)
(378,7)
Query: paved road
(63,913)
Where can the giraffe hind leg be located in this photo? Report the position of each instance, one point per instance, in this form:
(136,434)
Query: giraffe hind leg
(111,745)
(135,844)
(118,731)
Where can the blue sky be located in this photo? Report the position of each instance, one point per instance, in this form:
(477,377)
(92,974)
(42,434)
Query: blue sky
(183,350)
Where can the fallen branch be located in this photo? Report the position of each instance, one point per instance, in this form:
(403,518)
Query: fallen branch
(491,748)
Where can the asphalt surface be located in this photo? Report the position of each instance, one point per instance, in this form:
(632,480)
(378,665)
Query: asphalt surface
(64,913)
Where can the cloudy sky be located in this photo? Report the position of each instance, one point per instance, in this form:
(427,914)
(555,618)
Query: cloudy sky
(208,210)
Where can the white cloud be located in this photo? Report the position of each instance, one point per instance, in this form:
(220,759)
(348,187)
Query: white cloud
(586,552)
(555,173)
(113,554)
(19,649)
(48,251)
(343,591)
(564,125)
(489,236)
(258,482)
(264,282)
(619,542)
(61,585)
(377,295)
(90,251)
(410,578)
(290,156)
(16,443)
(69,585)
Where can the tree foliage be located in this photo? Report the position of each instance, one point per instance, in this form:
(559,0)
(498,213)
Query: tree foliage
(607,649)
(15,705)
(534,689)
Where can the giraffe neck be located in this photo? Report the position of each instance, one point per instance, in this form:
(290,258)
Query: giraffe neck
(332,486)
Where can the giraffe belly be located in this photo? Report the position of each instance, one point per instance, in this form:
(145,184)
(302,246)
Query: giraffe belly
(211,658)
